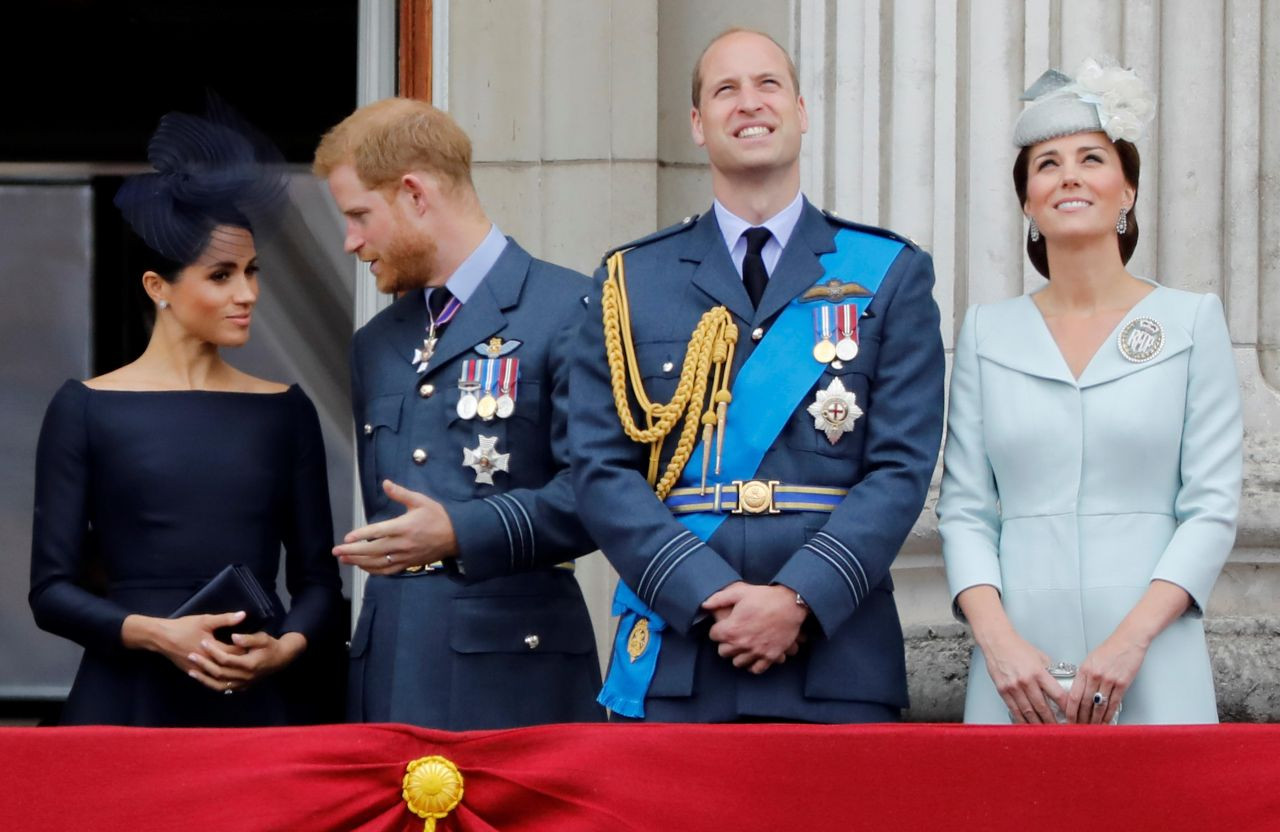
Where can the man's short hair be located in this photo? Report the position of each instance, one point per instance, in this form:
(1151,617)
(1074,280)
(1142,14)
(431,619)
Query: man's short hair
(389,138)
(697,65)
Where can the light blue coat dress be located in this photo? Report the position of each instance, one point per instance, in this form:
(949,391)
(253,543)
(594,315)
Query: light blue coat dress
(1070,496)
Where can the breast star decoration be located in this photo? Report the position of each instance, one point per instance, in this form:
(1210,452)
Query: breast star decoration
(834,411)
(484,459)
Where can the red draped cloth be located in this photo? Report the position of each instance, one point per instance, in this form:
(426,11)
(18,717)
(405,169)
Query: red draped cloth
(600,778)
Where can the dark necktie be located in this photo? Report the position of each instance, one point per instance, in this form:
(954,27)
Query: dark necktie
(436,302)
(754,274)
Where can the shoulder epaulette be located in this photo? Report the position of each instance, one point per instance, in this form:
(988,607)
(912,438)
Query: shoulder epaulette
(869,229)
(661,234)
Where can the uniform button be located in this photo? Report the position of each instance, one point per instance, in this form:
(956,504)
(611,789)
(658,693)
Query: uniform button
(368,429)
(757,333)
(419,455)
(668,367)
(426,390)
(532,641)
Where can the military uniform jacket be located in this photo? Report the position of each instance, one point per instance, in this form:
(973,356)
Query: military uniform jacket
(502,637)
(839,562)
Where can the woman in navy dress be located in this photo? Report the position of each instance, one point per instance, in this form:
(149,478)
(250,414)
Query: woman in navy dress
(156,476)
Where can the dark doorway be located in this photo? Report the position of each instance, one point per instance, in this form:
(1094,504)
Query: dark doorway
(87,80)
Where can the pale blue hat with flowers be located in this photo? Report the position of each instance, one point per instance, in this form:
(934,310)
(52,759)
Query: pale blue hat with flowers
(1103,97)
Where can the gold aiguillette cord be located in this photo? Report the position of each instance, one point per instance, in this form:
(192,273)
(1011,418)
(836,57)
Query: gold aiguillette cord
(705,372)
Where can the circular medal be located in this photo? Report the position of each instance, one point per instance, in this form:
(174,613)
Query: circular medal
(846,349)
(505,406)
(824,351)
(487,406)
(1141,340)
(467,406)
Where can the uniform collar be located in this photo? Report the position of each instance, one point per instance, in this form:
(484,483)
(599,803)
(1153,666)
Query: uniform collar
(464,280)
(780,224)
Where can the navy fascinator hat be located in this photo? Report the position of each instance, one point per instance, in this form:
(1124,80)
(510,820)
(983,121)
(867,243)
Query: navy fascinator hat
(209,171)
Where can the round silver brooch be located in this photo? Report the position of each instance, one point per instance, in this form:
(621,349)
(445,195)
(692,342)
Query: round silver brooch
(1141,340)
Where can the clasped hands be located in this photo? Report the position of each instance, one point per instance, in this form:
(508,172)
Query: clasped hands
(756,626)
(190,644)
(422,535)
(1019,672)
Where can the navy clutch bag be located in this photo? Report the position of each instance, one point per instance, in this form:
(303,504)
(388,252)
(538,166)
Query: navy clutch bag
(233,589)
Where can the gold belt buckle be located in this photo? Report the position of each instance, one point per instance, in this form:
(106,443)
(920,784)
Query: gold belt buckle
(755,497)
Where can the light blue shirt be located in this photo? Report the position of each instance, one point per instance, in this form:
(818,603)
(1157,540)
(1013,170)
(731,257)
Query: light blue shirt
(780,226)
(470,272)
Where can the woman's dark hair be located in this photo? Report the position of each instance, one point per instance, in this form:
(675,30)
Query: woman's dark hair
(1130,165)
(169,268)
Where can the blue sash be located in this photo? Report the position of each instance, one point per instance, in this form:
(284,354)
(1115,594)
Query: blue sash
(771,383)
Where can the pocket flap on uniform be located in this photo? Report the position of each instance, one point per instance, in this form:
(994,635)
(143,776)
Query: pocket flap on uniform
(384,411)
(515,624)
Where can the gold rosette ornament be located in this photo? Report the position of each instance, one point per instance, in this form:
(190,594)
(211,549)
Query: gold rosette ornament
(432,788)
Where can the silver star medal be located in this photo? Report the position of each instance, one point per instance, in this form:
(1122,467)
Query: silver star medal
(423,355)
(485,459)
(835,411)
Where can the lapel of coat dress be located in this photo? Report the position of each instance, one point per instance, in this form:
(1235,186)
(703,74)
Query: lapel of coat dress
(1018,338)
(482,316)
(1109,363)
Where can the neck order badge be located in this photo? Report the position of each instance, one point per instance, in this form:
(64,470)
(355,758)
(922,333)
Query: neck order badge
(767,390)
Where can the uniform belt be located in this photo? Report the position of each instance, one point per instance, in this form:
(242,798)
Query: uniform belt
(440,567)
(754,497)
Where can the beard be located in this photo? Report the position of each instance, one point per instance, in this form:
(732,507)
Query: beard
(406,264)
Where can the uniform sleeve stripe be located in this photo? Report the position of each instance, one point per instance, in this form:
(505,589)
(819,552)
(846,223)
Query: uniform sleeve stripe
(840,569)
(667,562)
(672,563)
(528,524)
(657,559)
(818,545)
(524,526)
(849,555)
(511,546)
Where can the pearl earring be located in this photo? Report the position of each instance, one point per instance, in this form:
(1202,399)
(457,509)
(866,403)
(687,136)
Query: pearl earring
(164,304)
(1122,224)
(1034,231)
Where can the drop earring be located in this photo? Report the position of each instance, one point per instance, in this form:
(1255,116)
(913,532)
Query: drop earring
(1033,231)
(1122,224)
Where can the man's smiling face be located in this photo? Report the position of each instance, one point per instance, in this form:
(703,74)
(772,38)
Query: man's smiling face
(750,117)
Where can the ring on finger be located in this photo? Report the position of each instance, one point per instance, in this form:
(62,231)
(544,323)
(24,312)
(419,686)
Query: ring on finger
(1099,698)
(388,560)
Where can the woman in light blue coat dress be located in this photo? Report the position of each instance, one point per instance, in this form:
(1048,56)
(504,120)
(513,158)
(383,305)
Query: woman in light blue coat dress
(1093,456)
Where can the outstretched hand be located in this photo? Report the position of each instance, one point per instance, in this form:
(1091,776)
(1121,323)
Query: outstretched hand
(422,535)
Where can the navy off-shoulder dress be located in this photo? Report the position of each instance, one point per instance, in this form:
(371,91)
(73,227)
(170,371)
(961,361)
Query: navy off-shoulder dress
(140,498)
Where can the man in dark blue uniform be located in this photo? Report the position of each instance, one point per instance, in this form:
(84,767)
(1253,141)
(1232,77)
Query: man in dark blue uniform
(753,481)
(472,617)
